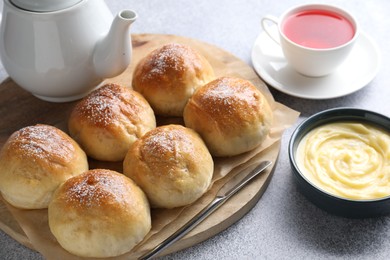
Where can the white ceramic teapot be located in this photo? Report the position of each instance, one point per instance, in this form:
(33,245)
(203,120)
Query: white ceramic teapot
(60,50)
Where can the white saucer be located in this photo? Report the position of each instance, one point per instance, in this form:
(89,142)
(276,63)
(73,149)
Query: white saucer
(357,71)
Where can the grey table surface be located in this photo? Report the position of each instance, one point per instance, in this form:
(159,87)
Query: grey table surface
(283,224)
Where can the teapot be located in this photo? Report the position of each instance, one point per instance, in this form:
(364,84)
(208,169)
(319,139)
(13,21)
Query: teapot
(60,50)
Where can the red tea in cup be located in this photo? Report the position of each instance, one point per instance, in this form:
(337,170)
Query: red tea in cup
(315,38)
(318,29)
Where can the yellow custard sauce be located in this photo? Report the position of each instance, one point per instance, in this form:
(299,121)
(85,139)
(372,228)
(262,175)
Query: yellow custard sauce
(347,159)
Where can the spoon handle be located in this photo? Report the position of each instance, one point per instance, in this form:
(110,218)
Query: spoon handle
(221,198)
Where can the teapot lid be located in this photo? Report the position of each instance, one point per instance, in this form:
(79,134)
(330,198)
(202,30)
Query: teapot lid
(44,5)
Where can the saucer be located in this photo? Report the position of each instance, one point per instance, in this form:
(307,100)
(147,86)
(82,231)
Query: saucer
(360,67)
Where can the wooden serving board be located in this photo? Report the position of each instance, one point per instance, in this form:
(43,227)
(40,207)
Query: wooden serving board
(19,108)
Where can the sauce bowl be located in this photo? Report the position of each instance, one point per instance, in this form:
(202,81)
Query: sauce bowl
(334,204)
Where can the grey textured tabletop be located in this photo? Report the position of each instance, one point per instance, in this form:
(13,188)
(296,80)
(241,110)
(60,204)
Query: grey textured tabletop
(283,224)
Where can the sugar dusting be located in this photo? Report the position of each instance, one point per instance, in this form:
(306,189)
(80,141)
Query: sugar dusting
(167,141)
(171,57)
(96,188)
(110,104)
(98,107)
(98,110)
(42,142)
(167,149)
(231,99)
(160,142)
(229,88)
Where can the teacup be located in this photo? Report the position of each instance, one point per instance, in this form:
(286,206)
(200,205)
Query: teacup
(315,38)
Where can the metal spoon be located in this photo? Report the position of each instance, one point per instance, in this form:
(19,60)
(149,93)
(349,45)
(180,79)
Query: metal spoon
(222,196)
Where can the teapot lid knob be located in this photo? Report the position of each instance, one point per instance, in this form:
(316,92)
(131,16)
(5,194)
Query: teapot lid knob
(44,5)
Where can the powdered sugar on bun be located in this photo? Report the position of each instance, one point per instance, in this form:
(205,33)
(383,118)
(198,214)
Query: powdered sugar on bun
(34,161)
(100,213)
(169,75)
(230,114)
(109,120)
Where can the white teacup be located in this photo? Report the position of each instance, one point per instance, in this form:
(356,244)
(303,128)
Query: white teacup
(315,38)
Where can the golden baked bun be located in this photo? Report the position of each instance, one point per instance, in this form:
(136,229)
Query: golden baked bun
(100,213)
(230,114)
(168,77)
(171,164)
(107,121)
(34,161)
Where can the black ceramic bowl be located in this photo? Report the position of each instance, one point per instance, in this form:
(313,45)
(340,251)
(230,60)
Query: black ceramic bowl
(331,203)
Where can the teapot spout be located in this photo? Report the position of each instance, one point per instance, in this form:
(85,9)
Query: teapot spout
(112,53)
